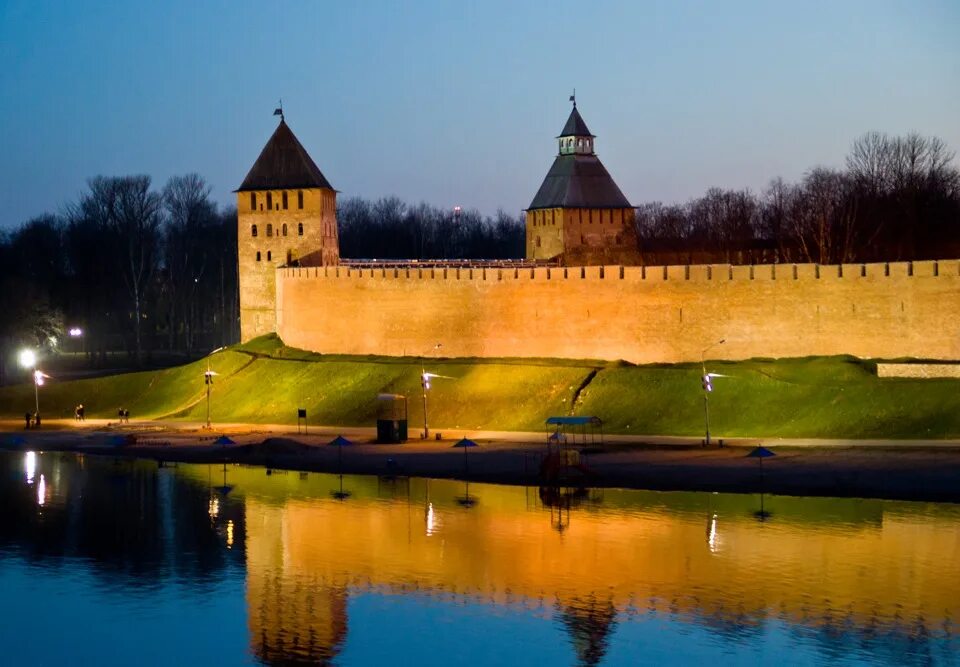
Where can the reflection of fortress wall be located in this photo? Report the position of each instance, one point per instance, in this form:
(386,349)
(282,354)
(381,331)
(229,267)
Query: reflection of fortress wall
(679,564)
(640,314)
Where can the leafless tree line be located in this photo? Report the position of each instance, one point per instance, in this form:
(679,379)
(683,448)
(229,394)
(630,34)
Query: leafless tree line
(388,228)
(134,267)
(897,199)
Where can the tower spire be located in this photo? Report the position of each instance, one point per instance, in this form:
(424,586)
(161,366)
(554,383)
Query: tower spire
(573,98)
(279,110)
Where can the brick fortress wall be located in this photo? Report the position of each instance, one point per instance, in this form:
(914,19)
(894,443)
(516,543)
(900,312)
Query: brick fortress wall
(640,314)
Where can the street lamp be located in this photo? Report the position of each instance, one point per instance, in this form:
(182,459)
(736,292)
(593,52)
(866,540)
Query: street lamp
(425,385)
(208,380)
(707,386)
(28,359)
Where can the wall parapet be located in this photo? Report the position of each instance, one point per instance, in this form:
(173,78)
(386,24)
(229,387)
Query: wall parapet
(686,273)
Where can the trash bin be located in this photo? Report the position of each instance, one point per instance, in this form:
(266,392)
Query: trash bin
(391,418)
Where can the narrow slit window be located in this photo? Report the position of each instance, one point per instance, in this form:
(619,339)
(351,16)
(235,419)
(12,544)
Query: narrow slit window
(269,256)
(253,201)
(269,229)
(284,228)
(299,229)
(300,199)
(284,198)
(269,201)
(253,231)
(258,255)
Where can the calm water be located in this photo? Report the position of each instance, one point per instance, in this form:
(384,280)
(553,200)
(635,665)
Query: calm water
(118,562)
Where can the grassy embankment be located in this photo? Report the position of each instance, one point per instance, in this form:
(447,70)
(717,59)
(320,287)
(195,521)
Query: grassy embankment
(264,381)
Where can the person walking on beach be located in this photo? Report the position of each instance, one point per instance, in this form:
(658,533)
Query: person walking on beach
(26,418)
(36,420)
(81,411)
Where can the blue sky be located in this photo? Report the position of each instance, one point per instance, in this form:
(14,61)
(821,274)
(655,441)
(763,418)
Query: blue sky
(459,102)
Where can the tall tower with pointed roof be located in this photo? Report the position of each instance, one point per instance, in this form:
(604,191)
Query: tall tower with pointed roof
(287,216)
(579,215)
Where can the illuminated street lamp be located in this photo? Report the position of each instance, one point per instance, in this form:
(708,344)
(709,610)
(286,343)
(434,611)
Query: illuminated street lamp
(425,385)
(28,359)
(705,380)
(208,380)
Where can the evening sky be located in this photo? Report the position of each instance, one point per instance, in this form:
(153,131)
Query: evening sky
(459,102)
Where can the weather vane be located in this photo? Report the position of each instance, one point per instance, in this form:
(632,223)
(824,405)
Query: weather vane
(279,110)
(573,98)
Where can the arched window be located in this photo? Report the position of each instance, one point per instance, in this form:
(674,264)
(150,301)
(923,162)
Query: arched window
(284,228)
(253,201)
(269,257)
(284,197)
(300,227)
(269,229)
(253,230)
(258,255)
(269,201)
(300,199)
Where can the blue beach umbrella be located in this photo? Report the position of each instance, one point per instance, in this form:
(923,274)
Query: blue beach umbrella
(340,442)
(466,444)
(761,453)
(224,440)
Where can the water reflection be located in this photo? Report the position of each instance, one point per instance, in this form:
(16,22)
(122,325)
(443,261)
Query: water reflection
(835,580)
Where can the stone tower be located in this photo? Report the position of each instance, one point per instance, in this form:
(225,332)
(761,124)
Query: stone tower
(287,216)
(579,216)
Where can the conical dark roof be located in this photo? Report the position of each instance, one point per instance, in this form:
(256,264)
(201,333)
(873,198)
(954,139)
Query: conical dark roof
(284,164)
(578,181)
(575,126)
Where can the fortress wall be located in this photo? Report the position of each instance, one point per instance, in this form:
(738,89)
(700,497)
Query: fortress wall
(640,314)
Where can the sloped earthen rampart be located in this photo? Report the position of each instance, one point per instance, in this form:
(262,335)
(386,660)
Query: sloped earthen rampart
(639,314)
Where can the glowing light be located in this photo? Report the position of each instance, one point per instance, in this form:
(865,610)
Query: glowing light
(713,540)
(75,332)
(41,491)
(38,377)
(27,358)
(230,534)
(213,508)
(30,465)
(431,520)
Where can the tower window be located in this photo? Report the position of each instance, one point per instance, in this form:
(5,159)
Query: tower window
(300,199)
(284,228)
(269,202)
(284,197)
(258,255)
(269,258)
(269,229)
(253,201)
(300,227)
(253,230)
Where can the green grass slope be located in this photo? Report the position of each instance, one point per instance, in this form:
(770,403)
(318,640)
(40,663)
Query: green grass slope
(265,382)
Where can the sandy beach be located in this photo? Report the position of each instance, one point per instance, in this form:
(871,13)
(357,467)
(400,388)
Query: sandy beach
(895,469)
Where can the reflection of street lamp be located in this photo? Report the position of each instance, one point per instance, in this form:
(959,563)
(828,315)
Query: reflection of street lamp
(208,380)
(707,386)
(425,385)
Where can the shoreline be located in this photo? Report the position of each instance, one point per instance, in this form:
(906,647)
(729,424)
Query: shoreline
(893,470)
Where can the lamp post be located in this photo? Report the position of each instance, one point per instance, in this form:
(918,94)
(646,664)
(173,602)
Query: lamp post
(707,387)
(425,385)
(28,359)
(208,380)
